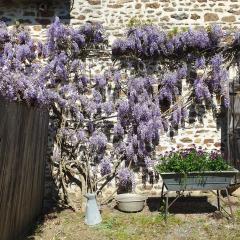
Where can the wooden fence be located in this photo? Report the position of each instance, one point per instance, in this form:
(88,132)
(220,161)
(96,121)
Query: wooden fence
(232,128)
(23,142)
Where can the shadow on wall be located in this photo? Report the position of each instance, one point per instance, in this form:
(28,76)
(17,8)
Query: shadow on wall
(34,12)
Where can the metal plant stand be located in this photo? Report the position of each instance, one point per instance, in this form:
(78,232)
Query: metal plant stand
(180,193)
(196,181)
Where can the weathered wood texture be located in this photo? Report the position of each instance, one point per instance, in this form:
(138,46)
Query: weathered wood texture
(233,146)
(23,142)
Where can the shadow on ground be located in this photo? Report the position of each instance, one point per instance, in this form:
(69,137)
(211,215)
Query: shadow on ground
(49,214)
(183,205)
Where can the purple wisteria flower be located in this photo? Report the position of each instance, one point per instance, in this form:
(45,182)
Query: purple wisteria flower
(200,63)
(75,65)
(98,141)
(150,42)
(60,37)
(4,33)
(118,130)
(57,34)
(83,81)
(108,107)
(178,115)
(105,166)
(149,162)
(93,32)
(23,37)
(126,177)
(78,39)
(8,52)
(100,81)
(201,90)
(216,33)
(117,79)
(97,97)
(217,61)
(182,72)
(123,108)
(22,52)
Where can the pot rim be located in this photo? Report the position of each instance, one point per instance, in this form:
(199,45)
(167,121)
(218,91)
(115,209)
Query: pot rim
(197,172)
(130,197)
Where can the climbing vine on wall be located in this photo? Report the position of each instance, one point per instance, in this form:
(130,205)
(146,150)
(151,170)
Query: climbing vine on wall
(108,123)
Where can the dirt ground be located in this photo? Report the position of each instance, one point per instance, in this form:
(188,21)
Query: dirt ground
(192,217)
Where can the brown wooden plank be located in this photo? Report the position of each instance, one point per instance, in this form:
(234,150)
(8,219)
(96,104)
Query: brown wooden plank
(23,142)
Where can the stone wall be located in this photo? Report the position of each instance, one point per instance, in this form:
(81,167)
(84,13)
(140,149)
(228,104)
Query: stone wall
(114,15)
(36,14)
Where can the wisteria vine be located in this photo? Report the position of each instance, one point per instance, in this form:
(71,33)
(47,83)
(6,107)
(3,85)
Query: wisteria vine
(109,123)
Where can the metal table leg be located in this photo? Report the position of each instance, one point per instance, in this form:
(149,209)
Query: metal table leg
(226,202)
(218,201)
(162,193)
(217,194)
(166,207)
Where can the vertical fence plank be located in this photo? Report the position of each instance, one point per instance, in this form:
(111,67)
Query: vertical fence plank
(23,142)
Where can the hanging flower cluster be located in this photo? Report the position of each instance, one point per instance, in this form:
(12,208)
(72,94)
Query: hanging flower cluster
(126,177)
(184,54)
(73,41)
(156,102)
(150,42)
(19,67)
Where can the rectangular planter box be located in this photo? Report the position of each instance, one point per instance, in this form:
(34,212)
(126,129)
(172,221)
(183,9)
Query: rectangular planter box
(211,180)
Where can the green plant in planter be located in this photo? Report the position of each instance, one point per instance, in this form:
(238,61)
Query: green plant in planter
(191,160)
